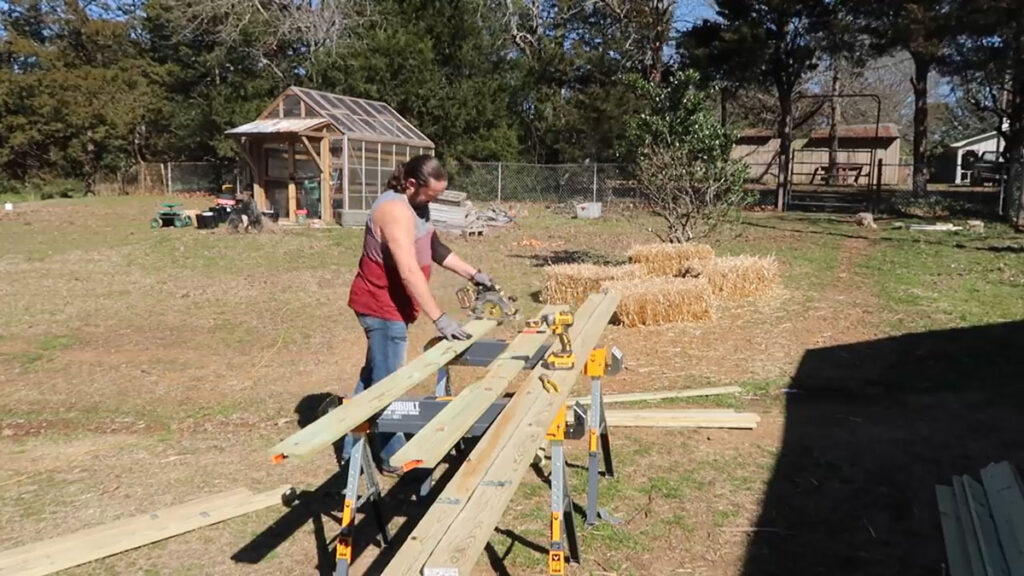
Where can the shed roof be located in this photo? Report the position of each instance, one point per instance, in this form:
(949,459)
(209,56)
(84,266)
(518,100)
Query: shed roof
(757,133)
(277,126)
(975,139)
(887,131)
(362,119)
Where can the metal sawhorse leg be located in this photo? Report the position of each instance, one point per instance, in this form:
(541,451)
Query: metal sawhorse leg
(360,465)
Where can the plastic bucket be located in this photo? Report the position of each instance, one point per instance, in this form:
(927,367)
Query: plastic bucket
(301,215)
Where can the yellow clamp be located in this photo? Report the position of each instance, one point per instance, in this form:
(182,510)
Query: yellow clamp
(549,385)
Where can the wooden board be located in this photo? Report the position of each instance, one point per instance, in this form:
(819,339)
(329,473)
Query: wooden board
(409,559)
(437,438)
(952,532)
(662,395)
(327,429)
(1007,505)
(78,548)
(985,528)
(967,520)
(681,419)
(462,544)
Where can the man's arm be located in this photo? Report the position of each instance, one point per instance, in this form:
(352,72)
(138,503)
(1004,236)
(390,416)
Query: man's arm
(444,256)
(396,226)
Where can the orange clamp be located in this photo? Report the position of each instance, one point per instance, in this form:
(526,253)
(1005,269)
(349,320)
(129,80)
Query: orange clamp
(557,429)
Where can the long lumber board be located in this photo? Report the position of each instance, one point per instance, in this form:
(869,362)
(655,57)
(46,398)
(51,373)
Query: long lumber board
(963,509)
(327,429)
(431,443)
(953,532)
(67,551)
(660,395)
(465,540)
(682,419)
(985,528)
(409,558)
(1007,504)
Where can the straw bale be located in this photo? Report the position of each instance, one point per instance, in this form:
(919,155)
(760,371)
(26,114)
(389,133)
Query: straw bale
(663,300)
(738,277)
(672,259)
(571,283)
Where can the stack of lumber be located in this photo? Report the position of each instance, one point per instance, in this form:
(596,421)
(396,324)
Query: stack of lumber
(454,531)
(983,524)
(70,550)
(450,210)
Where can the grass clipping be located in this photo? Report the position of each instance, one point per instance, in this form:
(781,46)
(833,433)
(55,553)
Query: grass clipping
(737,277)
(571,283)
(662,300)
(672,259)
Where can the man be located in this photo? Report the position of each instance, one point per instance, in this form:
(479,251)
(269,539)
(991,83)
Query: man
(391,289)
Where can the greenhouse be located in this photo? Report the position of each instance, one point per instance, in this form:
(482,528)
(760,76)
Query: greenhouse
(324,156)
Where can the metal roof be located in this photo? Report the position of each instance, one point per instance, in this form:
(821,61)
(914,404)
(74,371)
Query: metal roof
(975,139)
(277,126)
(887,131)
(363,119)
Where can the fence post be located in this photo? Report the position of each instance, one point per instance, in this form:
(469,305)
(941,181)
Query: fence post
(878,186)
(595,184)
(170,188)
(499,182)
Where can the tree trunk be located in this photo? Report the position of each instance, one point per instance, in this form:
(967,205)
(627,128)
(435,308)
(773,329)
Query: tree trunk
(785,143)
(833,129)
(922,66)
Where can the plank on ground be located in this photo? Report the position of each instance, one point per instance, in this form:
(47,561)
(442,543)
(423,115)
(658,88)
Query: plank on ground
(985,528)
(681,419)
(660,395)
(103,531)
(464,541)
(1007,504)
(67,551)
(327,429)
(431,443)
(952,532)
(409,558)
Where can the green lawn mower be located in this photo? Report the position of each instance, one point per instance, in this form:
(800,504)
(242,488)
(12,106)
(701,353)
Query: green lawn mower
(170,216)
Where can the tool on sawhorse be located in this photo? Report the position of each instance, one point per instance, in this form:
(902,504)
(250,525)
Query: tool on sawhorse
(558,323)
(487,303)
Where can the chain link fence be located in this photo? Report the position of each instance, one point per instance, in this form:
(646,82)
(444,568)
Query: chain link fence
(544,183)
(156,178)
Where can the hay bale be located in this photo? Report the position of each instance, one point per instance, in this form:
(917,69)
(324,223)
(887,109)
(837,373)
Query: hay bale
(662,300)
(571,283)
(738,277)
(672,259)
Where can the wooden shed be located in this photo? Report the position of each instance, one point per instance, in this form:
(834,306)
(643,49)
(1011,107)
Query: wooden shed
(759,149)
(861,146)
(327,154)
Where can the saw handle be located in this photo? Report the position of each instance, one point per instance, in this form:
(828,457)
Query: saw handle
(465,297)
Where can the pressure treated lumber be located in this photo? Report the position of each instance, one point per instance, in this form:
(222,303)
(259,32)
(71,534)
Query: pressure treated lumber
(952,532)
(970,534)
(432,442)
(985,528)
(66,551)
(648,418)
(659,395)
(462,544)
(326,430)
(1007,504)
(409,559)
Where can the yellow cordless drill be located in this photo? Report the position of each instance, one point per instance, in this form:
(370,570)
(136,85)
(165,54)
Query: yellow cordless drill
(559,323)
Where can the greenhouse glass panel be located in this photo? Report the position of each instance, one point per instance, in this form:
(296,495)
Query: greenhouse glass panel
(292,107)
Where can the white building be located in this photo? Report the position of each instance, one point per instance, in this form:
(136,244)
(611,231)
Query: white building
(953,165)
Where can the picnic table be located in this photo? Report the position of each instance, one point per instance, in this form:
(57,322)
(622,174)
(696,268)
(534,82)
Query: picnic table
(845,173)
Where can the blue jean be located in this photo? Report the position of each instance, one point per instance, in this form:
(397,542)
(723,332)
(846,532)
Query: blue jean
(385,353)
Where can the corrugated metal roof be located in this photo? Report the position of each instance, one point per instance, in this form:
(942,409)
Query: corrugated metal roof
(278,126)
(887,130)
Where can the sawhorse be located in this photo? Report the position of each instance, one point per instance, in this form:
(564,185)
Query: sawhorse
(564,546)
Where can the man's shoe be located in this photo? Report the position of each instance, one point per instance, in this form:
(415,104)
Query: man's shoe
(390,471)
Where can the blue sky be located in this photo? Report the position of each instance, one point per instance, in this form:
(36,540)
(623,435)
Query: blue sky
(689,12)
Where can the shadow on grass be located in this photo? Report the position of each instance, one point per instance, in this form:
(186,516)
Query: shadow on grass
(569,257)
(871,427)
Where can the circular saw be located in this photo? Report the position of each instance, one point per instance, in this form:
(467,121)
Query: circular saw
(487,303)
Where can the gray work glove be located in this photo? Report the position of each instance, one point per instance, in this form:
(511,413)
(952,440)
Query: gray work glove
(450,329)
(482,279)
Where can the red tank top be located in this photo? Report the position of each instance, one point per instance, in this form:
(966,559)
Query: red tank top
(377,289)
